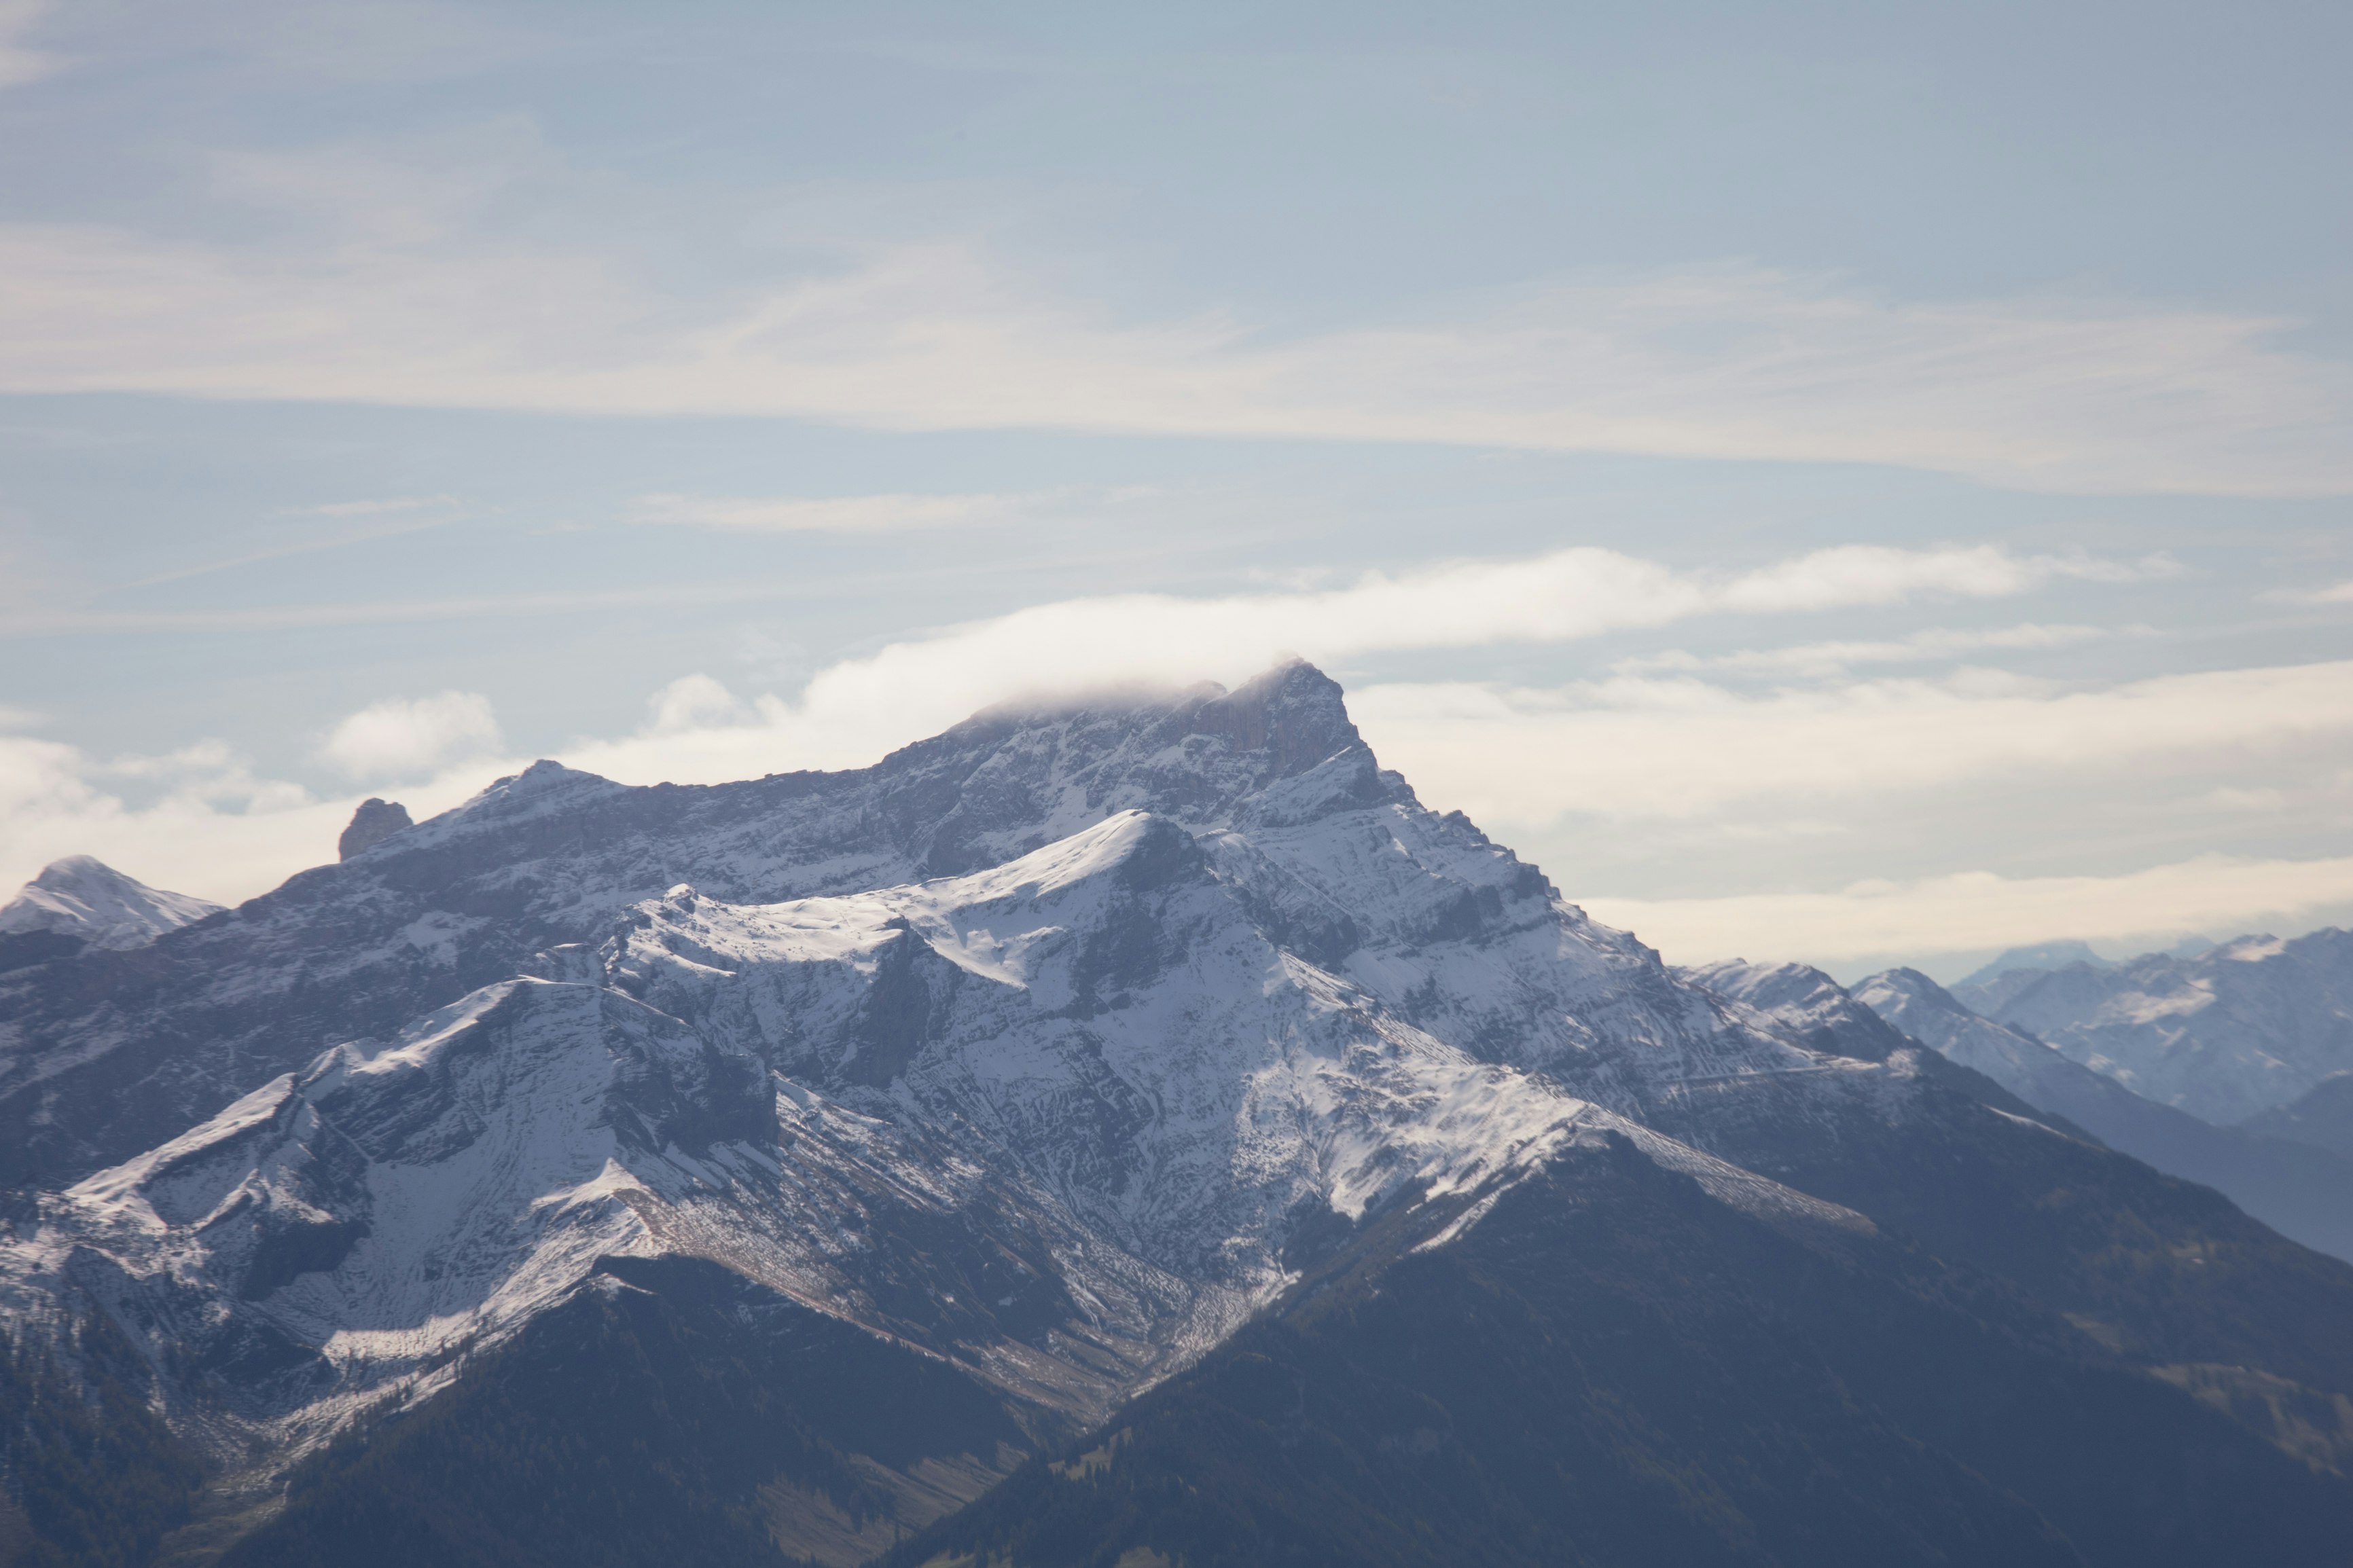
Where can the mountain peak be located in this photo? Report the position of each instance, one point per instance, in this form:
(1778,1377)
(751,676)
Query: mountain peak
(2040,955)
(1293,710)
(84,896)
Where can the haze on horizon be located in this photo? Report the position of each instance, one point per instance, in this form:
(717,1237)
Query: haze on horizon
(1838,483)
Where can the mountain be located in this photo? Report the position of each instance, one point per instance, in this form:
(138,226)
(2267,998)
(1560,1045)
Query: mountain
(2244,1028)
(2041,955)
(2321,1116)
(81,901)
(770,1171)
(2299,1190)
(1612,1370)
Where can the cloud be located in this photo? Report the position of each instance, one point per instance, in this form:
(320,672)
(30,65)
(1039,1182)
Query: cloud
(399,524)
(1671,751)
(2341,593)
(375,508)
(19,61)
(1977,911)
(409,738)
(39,619)
(827,514)
(692,702)
(1814,660)
(1665,750)
(197,821)
(853,710)
(857,709)
(409,299)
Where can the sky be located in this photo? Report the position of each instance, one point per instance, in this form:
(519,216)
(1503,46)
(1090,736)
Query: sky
(1851,483)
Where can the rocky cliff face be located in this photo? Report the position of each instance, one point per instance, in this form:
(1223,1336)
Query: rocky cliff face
(374,821)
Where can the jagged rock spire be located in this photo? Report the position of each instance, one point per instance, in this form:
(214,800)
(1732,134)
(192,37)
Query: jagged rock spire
(372,823)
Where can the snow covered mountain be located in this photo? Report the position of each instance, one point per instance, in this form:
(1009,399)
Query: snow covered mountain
(1092,1044)
(1334,860)
(88,901)
(1019,1071)
(2305,1190)
(1120,1045)
(2239,1029)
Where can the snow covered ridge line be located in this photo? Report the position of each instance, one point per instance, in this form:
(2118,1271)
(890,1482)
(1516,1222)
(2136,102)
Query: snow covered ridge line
(2225,1033)
(85,898)
(1042,1047)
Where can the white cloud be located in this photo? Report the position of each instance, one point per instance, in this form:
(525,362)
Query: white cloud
(1676,751)
(206,824)
(19,61)
(2230,798)
(1813,660)
(376,507)
(1977,911)
(692,702)
(409,738)
(401,301)
(38,619)
(1635,749)
(827,514)
(854,710)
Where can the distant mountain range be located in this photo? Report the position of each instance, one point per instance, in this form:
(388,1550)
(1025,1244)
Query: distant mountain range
(1131,1131)
(2240,1029)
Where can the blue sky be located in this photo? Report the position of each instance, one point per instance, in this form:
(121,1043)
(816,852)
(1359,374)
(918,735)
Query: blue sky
(1841,483)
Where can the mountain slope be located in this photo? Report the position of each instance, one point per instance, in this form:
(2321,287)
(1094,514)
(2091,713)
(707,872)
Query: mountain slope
(2321,1117)
(2302,1191)
(1612,1369)
(800,1435)
(2240,1029)
(1057,1124)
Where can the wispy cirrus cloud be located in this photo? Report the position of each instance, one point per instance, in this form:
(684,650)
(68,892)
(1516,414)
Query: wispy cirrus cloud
(1826,658)
(21,61)
(908,688)
(396,505)
(831,514)
(409,299)
(45,620)
(391,519)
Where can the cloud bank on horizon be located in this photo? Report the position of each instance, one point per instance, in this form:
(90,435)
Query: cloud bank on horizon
(1854,486)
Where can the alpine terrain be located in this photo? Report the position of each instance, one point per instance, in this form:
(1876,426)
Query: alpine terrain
(2226,1035)
(81,903)
(1133,1131)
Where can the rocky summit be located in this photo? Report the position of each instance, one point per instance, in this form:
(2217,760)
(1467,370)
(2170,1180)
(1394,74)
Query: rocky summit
(1131,1126)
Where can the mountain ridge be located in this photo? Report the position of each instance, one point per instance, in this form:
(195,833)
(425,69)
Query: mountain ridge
(2240,1028)
(1045,1055)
